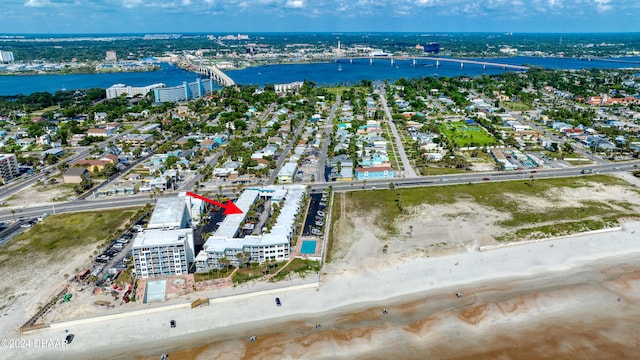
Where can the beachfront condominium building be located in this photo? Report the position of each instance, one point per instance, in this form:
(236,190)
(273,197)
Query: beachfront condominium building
(6,57)
(186,91)
(228,246)
(162,252)
(165,247)
(131,91)
(9,168)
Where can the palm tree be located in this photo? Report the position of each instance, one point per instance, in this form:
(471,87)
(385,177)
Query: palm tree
(411,230)
(13,212)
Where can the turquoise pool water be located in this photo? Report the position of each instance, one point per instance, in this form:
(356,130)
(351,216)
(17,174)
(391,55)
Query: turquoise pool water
(308,247)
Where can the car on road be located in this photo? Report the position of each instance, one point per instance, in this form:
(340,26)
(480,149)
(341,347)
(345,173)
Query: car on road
(278,302)
(69,339)
(485,179)
(172,323)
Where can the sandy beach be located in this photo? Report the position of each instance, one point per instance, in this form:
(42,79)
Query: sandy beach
(546,299)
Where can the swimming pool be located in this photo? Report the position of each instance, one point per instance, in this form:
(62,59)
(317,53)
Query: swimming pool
(308,247)
(155,291)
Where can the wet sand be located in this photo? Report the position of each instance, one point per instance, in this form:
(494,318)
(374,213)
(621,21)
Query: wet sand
(560,315)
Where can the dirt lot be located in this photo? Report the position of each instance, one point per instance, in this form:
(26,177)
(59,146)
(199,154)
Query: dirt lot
(41,194)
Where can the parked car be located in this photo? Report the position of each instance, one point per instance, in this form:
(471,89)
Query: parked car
(278,303)
(172,323)
(69,339)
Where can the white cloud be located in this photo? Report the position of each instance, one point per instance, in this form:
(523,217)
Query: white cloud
(294,4)
(603,5)
(37,3)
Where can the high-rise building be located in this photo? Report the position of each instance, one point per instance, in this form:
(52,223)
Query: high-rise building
(8,167)
(6,57)
(111,56)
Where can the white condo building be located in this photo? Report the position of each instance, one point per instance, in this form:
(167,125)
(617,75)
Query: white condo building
(165,247)
(163,252)
(131,91)
(6,57)
(225,243)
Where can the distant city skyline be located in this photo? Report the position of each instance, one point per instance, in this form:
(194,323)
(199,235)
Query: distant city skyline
(156,16)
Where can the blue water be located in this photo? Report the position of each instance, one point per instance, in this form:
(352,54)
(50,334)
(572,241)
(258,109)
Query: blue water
(308,247)
(26,84)
(321,73)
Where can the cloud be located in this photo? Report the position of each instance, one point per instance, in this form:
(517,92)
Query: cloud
(294,4)
(37,3)
(603,5)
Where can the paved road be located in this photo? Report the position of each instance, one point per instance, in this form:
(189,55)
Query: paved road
(408,170)
(285,152)
(140,200)
(322,159)
(81,153)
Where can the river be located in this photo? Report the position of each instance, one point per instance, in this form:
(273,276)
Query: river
(328,73)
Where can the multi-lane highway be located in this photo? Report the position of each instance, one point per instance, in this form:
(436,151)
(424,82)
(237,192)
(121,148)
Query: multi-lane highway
(140,200)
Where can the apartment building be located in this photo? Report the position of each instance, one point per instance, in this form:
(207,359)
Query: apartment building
(9,168)
(227,243)
(163,252)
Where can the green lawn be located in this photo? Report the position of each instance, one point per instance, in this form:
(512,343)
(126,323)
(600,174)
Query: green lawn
(465,136)
(393,203)
(516,105)
(430,170)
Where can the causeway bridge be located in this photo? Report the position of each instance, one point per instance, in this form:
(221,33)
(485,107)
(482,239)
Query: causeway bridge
(215,74)
(211,71)
(414,60)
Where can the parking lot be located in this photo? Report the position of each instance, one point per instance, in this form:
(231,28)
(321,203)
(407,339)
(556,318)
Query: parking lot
(315,221)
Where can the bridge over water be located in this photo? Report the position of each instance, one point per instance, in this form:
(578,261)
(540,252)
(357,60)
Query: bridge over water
(437,60)
(216,74)
(211,71)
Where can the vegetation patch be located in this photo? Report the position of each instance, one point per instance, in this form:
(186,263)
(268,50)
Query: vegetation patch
(466,136)
(64,231)
(243,275)
(336,212)
(387,205)
(211,275)
(298,266)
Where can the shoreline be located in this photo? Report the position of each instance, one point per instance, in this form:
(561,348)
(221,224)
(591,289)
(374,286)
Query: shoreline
(342,292)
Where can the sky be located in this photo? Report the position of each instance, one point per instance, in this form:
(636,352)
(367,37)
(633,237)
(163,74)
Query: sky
(175,16)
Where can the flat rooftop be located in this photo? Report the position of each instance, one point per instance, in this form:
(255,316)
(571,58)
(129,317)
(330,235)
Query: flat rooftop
(168,213)
(159,237)
(281,231)
(231,223)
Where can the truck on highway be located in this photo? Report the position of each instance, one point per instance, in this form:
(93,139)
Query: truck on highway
(587,171)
